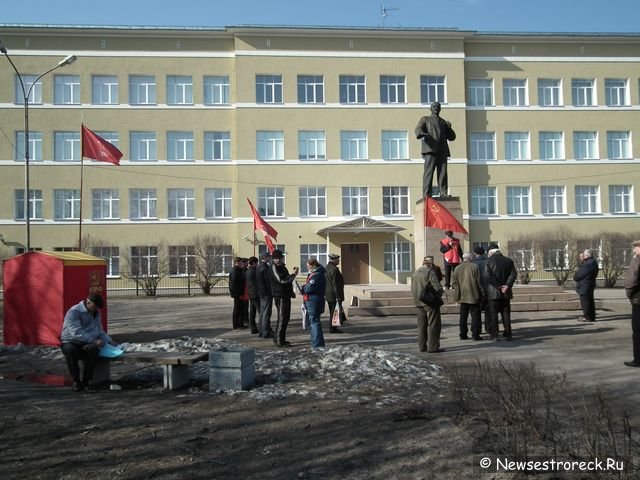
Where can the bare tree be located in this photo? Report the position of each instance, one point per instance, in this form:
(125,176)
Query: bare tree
(615,255)
(212,260)
(559,252)
(148,265)
(521,251)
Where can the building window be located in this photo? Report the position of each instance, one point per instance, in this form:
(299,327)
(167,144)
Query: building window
(432,89)
(35,204)
(518,200)
(310,89)
(616,92)
(66,89)
(355,201)
(182,260)
(618,145)
(353,145)
(181,203)
(143,204)
(105,204)
(271,201)
(482,146)
(104,89)
(268,88)
(112,256)
(551,146)
(583,92)
(216,90)
(549,92)
(392,88)
(142,90)
(521,252)
(180,146)
(311,145)
(555,255)
(313,201)
(514,92)
(585,145)
(143,146)
(352,89)
(620,199)
(144,261)
(516,146)
(587,199)
(395,145)
(66,146)
(35,146)
(403,255)
(270,145)
(217,202)
(35,97)
(395,200)
(480,93)
(553,200)
(217,145)
(483,201)
(179,90)
(308,250)
(66,204)
(222,256)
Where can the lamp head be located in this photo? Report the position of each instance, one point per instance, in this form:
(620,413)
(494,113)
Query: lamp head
(68,60)
(3,49)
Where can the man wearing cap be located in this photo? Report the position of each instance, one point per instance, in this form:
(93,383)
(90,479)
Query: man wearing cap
(632,289)
(334,292)
(468,292)
(452,254)
(429,319)
(499,274)
(81,338)
(263,285)
(282,291)
(585,278)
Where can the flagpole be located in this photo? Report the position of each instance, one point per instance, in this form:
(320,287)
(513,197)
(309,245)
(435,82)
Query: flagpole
(81,188)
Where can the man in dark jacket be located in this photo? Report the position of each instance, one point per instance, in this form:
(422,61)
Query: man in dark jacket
(499,274)
(334,291)
(236,290)
(263,284)
(282,291)
(585,278)
(252,288)
(632,289)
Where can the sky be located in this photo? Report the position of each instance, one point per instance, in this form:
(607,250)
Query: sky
(577,16)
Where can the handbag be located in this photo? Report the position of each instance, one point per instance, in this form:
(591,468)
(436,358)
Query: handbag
(336,321)
(431,297)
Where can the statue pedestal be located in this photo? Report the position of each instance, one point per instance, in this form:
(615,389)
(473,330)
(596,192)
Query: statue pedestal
(427,240)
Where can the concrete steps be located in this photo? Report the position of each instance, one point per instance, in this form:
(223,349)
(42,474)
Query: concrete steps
(381,300)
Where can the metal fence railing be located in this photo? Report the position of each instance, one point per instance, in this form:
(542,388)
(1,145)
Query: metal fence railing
(126,285)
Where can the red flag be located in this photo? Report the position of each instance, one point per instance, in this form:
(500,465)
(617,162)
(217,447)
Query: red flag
(97,148)
(437,216)
(264,227)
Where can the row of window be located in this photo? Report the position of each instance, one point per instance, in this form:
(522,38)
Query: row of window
(553,200)
(312,145)
(143,203)
(311,90)
(143,260)
(312,202)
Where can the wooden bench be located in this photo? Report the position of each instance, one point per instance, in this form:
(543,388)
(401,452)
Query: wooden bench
(175,366)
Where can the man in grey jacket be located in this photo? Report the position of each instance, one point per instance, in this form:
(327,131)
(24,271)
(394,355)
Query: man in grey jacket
(468,291)
(429,319)
(82,337)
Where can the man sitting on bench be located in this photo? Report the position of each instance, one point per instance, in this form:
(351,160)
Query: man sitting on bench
(82,336)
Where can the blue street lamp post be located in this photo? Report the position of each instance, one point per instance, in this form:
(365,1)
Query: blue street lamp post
(26,93)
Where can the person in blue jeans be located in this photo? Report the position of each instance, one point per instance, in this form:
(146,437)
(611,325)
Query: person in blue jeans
(313,295)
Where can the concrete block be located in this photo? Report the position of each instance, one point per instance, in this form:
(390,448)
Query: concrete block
(232,378)
(232,357)
(175,376)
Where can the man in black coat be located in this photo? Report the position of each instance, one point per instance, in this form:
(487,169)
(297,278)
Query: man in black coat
(499,275)
(282,291)
(263,285)
(252,290)
(585,278)
(236,291)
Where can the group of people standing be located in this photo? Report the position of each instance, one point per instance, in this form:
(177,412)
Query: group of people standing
(256,284)
(479,283)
